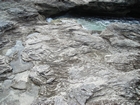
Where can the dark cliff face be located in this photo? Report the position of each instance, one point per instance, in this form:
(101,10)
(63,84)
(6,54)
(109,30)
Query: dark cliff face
(94,7)
(135,9)
(130,8)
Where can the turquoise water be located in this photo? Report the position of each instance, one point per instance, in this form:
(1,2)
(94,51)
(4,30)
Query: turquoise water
(93,24)
(99,23)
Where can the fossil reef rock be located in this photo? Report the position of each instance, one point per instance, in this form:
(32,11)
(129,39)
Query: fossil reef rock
(60,62)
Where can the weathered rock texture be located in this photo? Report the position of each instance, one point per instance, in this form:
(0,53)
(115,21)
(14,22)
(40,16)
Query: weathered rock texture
(5,68)
(74,67)
(69,64)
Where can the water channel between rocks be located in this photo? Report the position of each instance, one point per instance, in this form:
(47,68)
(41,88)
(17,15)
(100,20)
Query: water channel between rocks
(20,67)
(97,23)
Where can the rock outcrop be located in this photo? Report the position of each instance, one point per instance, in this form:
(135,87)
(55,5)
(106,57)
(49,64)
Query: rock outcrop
(110,7)
(90,7)
(75,67)
(61,63)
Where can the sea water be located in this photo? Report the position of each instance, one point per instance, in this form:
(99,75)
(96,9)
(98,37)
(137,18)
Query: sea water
(99,23)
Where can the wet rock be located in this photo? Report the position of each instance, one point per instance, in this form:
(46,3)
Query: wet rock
(20,85)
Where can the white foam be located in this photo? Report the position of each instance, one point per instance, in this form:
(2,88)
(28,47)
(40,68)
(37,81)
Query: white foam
(49,20)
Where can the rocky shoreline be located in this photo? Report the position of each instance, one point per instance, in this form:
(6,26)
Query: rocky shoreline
(60,62)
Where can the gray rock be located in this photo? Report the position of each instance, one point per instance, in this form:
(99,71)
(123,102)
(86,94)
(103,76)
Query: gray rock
(42,75)
(71,66)
(124,62)
(132,91)
(81,94)
(50,80)
(20,85)
(16,11)
(81,69)
(5,68)
(5,26)
(38,80)
(23,13)
(122,35)
(18,64)
(7,84)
